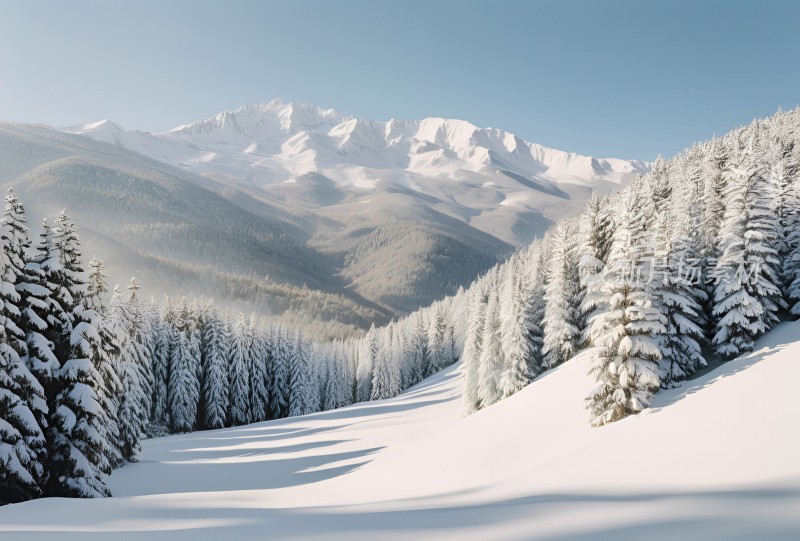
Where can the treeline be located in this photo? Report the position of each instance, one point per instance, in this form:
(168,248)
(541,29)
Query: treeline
(693,261)
(83,378)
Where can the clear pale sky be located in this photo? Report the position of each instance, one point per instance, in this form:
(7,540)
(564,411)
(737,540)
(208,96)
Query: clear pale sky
(629,79)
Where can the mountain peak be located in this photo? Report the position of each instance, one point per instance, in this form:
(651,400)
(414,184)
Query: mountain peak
(104,125)
(250,119)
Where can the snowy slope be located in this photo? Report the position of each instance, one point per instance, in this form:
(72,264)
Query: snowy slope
(714,459)
(480,175)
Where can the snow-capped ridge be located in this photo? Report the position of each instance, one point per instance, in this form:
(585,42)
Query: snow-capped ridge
(452,165)
(251,119)
(350,141)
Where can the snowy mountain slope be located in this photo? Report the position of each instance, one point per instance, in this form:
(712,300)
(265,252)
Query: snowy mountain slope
(441,161)
(713,459)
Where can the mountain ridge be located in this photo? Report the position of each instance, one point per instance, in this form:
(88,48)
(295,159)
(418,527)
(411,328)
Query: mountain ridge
(294,130)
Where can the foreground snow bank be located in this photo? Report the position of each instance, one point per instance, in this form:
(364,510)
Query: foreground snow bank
(714,459)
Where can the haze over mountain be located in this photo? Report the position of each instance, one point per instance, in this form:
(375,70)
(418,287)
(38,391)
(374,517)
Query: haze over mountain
(330,221)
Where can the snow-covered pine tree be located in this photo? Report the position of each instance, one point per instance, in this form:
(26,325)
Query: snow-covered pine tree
(366,361)
(257,363)
(133,412)
(22,402)
(490,367)
(386,372)
(36,305)
(16,243)
(680,294)
(473,345)
(625,366)
(282,380)
(65,282)
(437,335)
(300,377)
(747,296)
(238,374)
(597,226)
(22,442)
(279,391)
(416,350)
(142,325)
(315,378)
(164,339)
(106,358)
(337,393)
(215,371)
(264,339)
(184,385)
(563,321)
(451,351)
(77,434)
(713,200)
(514,333)
(785,173)
(715,158)
(80,442)
(28,311)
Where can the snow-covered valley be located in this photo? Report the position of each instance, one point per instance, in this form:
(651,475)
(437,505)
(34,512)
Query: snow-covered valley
(380,271)
(716,458)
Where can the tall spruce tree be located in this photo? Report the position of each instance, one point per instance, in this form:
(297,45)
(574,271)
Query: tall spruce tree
(366,362)
(473,345)
(22,402)
(133,411)
(628,334)
(563,321)
(184,385)
(747,296)
(301,394)
(238,374)
(257,360)
(386,373)
(77,434)
(106,356)
(281,359)
(490,368)
(164,339)
(514,331)
(215,370)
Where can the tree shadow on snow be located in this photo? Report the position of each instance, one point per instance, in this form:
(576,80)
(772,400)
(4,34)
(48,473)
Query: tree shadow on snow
(736,515)
(780,338)
(239,469)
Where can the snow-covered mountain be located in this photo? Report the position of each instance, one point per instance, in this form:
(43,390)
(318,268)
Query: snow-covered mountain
(317,158)
(264,143)
(713,459)
(287,208)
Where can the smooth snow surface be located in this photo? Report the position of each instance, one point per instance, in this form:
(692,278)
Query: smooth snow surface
(718,458)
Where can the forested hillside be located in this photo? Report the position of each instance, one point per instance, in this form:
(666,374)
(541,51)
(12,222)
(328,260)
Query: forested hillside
(84,379)
(687,265)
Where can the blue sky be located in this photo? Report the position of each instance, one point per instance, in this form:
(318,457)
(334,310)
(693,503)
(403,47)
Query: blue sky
(615,78)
